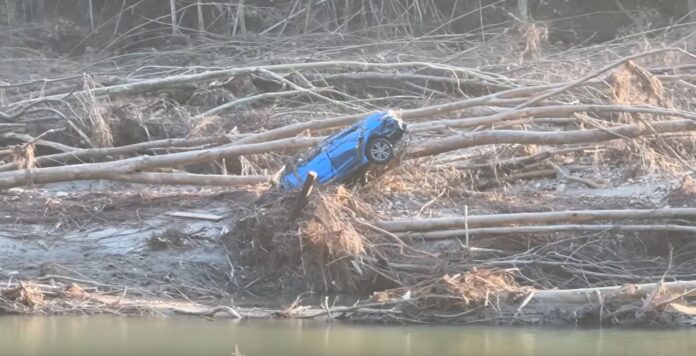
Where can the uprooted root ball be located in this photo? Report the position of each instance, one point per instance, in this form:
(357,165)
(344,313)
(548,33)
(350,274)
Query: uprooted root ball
(321,246)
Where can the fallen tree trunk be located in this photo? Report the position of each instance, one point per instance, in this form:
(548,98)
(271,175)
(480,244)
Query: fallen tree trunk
(100,153)
(489,137)
(435,110)
(400,78)
(29,139)
(545,229)
(548,111)
(498,220)
(599,294)
(518,162)
(247,100)
(119,168)
(188,179)
(424,112)
(145,86)
(85,171)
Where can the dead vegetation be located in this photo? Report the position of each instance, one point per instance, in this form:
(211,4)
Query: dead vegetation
(71,299)
(527,175)
(320,247)
(635,85)
(469,290)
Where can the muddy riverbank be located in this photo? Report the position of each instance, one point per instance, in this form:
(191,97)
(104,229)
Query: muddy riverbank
(540,181)
(96,247)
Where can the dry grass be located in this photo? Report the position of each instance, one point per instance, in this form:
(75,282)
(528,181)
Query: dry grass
(476,287)
(634,85)
(533,37)
(330,241)
(320,246)
(416,178)
(74,291)
(98,125)
(58,298)
(26,295)
(329,226)
(23,156)
(207,126)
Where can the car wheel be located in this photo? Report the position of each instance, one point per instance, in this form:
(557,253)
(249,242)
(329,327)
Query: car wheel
(379,151)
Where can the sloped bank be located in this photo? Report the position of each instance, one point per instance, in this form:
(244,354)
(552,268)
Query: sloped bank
(333,246)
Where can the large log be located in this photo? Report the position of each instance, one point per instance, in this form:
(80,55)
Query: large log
(275,134)
(519,162)
(29,139)
(544,229)
(118,168)
(489,137)
(549,111)
(150,85)
(188,179)
(399,78)
(102,170)
(246,100)
(424,112)
(497,220)
(592,295)
(87,154)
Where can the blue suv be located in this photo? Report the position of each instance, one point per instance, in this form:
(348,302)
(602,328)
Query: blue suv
(340,156)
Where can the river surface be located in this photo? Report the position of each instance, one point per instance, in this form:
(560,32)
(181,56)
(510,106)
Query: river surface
(122,336)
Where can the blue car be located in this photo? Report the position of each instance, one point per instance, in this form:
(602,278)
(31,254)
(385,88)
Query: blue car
(340,156)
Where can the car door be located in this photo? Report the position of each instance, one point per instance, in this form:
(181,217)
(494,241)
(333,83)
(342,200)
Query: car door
(322,166)
(318,162)
(344,150)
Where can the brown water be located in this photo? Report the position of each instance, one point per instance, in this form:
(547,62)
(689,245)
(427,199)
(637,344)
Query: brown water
(120,336)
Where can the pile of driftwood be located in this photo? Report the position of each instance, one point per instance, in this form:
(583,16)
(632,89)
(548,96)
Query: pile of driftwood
(335,247)
(517,105)
(474,121)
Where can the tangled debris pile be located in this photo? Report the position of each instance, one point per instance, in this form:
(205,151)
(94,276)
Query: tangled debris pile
(319,247)
(555,186)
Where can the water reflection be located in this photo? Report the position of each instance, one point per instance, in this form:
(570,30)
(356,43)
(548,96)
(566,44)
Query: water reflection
(120,336)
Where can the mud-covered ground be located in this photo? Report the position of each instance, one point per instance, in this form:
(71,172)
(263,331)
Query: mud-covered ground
(115,236)
(96,233)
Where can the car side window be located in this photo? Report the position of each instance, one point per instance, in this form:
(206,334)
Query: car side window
(313,153)
(347,132)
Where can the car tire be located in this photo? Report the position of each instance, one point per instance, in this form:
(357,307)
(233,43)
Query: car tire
(379,151)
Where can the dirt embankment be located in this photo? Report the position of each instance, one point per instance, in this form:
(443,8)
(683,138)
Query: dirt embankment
(128,253)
